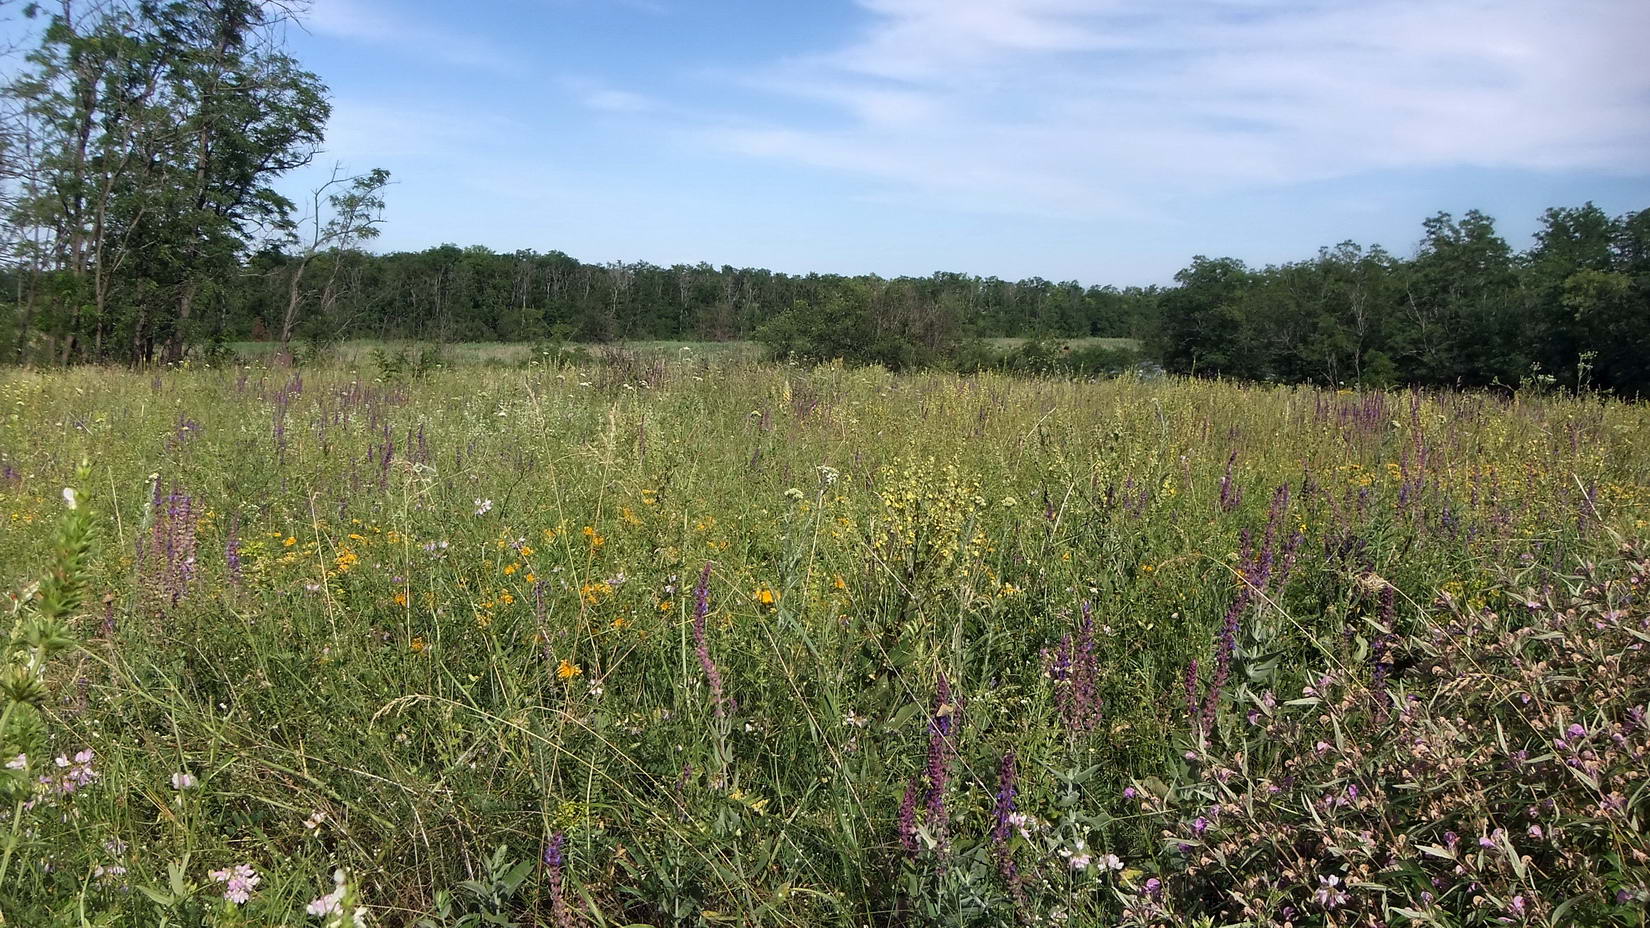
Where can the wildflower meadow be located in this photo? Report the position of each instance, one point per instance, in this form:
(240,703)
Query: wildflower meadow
(661,642)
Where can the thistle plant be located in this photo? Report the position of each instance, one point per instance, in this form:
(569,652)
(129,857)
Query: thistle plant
(40,631)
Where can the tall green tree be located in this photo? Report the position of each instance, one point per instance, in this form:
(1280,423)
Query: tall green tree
(159,129)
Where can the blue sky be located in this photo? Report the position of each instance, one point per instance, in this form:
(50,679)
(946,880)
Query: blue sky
(1097,140)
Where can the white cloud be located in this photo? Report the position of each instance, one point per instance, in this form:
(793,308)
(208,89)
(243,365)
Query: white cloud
(364,22)
(1083,106)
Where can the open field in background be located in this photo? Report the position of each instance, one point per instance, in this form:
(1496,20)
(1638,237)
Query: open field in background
(756,645)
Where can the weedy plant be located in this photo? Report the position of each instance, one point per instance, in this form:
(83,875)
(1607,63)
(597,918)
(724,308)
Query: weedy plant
(31,783)
(645,641)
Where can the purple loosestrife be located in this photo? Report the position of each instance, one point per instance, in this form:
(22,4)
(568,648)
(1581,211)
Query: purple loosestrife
(940,748)
(906,823)
(701,647)
(1231,495)
(1008,777)
(1192,694)
(1076,676)
(232,551)
(166,553)
(555,862)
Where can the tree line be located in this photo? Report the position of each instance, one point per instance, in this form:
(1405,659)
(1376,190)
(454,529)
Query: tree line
(1466,310)
(142,143)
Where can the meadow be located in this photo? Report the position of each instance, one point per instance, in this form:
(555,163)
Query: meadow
(665,640)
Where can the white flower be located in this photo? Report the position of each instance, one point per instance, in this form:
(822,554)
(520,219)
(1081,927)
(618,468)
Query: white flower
(1329,895)
(314,821)
(483,506)
(70,498)
(19,762)
(1111,862)
(184,781)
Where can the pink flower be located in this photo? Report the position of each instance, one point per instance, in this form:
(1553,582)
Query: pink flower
(1330,895)
(238,882)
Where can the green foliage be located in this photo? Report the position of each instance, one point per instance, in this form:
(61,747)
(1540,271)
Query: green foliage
(395,627)
(40,632)
(1465,311)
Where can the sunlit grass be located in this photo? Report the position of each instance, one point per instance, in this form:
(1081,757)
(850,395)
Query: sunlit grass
(395,626)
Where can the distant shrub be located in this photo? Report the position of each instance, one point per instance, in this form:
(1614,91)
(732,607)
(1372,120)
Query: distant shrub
(1048,357)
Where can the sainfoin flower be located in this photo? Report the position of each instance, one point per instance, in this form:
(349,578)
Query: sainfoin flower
(76,773)
(182,781)
(1329,894)
(331,905)
(238,882)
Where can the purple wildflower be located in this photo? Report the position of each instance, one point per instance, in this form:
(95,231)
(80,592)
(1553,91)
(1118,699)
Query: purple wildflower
(555,861)
(907,822)
(1007,787)
(1231,495)
(701,608)
(1075,673)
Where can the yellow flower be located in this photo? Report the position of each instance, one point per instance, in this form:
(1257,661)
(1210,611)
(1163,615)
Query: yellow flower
(417,644)
(511,568)
(567,670)
(766,596)
(290,541)
(400,599)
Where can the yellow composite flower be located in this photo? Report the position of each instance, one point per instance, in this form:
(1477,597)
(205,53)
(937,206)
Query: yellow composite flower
(567,670)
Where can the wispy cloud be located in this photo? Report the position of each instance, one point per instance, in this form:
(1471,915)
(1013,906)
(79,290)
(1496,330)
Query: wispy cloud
(360,21)
(604,98)
(1087,106)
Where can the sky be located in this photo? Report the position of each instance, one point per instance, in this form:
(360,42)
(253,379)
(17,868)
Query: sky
(1106,141)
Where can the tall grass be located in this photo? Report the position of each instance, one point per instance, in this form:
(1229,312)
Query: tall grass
(435,646)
